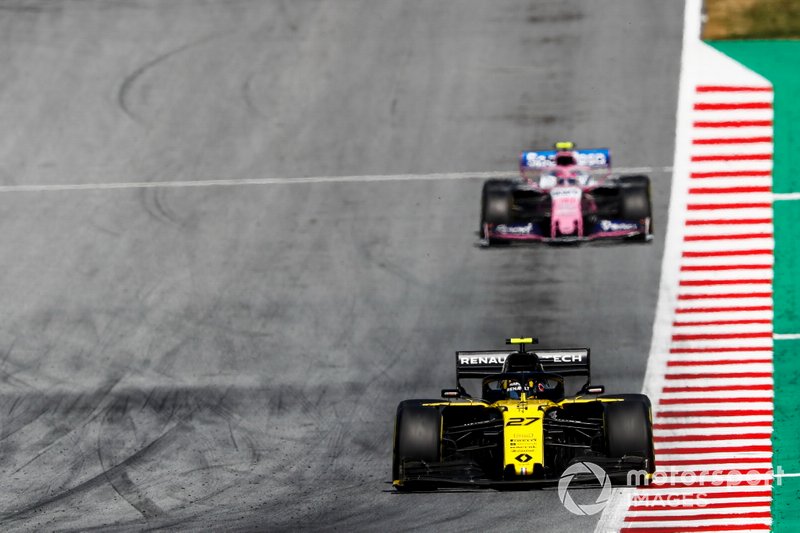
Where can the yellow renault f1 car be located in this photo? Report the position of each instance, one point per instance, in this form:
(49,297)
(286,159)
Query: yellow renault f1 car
(523,429)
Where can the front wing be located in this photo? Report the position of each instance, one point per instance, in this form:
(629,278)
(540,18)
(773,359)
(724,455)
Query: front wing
(465,473)
(537,232)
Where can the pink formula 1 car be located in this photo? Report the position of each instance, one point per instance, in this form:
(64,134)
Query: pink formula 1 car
(566,195)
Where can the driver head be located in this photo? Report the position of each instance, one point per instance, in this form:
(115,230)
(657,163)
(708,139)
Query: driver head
(565,154)
(565,159)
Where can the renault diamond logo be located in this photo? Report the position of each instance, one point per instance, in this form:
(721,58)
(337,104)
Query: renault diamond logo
(523,458)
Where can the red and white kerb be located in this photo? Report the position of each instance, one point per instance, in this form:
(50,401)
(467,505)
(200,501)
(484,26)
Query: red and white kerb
(713,418)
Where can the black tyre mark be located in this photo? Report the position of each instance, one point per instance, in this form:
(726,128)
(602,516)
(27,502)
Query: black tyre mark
(6,433)
(130,80)
(128,491)
(30,7)
(248,97)
(98,400)
(156,207)
(163,207)
(156,445)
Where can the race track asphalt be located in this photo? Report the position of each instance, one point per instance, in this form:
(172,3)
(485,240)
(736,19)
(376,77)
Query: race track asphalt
(231,357)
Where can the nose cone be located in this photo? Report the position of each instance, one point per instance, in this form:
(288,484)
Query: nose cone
(567,226)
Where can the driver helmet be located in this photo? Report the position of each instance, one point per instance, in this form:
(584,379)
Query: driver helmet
(565,154)
(512,388)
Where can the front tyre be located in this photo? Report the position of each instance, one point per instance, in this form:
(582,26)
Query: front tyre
(629,431)
(417,437)
(635,198)
(496,199)
(636,203)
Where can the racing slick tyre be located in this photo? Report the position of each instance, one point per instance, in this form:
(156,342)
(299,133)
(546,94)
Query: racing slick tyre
(635,202)
(635,197)
(417,437)
(495,204)
(629,430)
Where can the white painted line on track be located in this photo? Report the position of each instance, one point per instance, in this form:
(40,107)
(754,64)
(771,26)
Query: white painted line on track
(445,176)
(786,336)
(781,197)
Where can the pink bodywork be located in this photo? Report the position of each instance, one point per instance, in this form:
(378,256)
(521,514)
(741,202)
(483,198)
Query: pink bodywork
(568,202)
(567,197)
(566,215)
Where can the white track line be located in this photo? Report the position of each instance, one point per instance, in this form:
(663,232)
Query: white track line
(287,181)
(785,196)
(786,336)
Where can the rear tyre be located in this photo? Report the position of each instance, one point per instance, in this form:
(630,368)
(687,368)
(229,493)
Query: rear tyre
(417,437)
(629,430)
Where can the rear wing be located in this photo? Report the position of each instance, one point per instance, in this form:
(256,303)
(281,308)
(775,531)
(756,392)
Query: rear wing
(566,362)
(599,158)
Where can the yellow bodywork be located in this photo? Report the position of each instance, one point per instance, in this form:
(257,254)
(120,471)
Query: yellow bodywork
(523,427)
(523,430)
